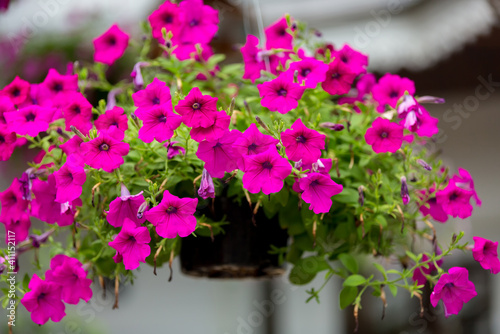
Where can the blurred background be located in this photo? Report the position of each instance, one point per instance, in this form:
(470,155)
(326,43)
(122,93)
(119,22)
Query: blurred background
(450,48)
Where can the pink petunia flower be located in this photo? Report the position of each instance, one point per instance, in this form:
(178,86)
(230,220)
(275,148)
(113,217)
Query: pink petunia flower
(219,155)
(20,226)
(4,5)
(356,60)
(199,22)
(432,207)
(166,16)
(265,171)
(132,243)
(466,182)
(17,91)
(207,188)
(419,274)
(110,46)
(213,132)
(173,216)
(317,190)
(252,58)
(158,123)
(339,78)
(30,120)
(70,179)
(277,36)
(77,111)
(302,143)
(113,118)
(416,118)
(104,152)
(455,201)
(6,105)
(173,150)
(281,94)
(384,136)
(8,141)
(73,150)
(56,85)
(68,273)
(485,252)
(310,71)
(43,301)
(390,88)
(197,110)
(455,289)
(125,207)
(155,94)
(13,204)
(252,142)
(364,87)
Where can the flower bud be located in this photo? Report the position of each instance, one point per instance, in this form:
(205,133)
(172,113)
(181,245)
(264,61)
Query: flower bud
(424,164)
(207,188)
(361,199)
(405,195)
(431,99)
(332,126)
(137,75)
(140,213)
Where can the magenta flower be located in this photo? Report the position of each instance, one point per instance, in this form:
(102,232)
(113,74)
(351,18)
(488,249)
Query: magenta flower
(77,111)
(112,119)
(173,216)
(20,226)
(352,58)
(207,188)
(6,105)
(158,123)
(339,78)
(8,141)
(173,150)
(199,22)
(455,201)
(43,301)
(265,171)
(302,143)
(213,132)
(252,58)
(45,207)
(310,71)
(73,150)
(155,94)
(4,5)
(432,207)
(416,118)
(69,180)
(125,207)
(132,243)
(197,110)
(219,155)
(485,252)
(390,88)
(277,36)
(13,204)
(17,91)
(30,120)
(419,274)
(104,152)
(56,85)
(252,142)
(68,273)
(455,289)
(317,190)
(384,136)
(466,182)
(110,46)
(166,16)
(281,94)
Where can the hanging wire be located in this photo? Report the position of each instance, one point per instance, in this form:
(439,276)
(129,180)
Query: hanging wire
(260,25)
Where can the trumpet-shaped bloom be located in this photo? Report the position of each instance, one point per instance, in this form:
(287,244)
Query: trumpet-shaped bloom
(113,118)
(155,94)
(173,216)
(68,273)
(13,204)
(317,190)
(485,252)
(158,123)
(302,143)
(252,142)
(356,60)
(20,226)
(277,36)
(70,179)
(73,150)
(339,78)
(197,110)
(104,152)
(213,132)
(281,94)
(173,150)
(207,188)
(455,289)
(132,243)
(433,208)
(455,201)
(110,46)
(199,22)
(56,85)
(6,105)
(43,301)
(8,141)
(77,112)
(252,58)
(219,155)
(17,91)
(30,120)
(265,171)
(419,274)
(466,182)
(384,136)
(166,16)
(125,207)
(390,88)
(309,71)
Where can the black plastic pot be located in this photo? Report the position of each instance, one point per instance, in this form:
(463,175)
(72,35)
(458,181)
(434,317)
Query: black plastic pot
(241,251)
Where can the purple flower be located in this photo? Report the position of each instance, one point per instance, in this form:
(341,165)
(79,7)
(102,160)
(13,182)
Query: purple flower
(4,5)
(104,152)
(277,36)
(455,289)
(485,252)
(137,75)
(219,155)
(389,89)
(252,142)
(30,120)
(69,180)
(281,94)
(125,206)
(455,201)
(384,136)
(207,188)
(252,59)
(197,110)
(332,126)
(339,78)
(132,244)
(317,190)
(302,143)
(166,16)
(77,112)
(158,123)
(17,91)
(68,273)
(213,132)
(155,94)
(265,171)
(352,58)
(110,46)
(199,22)
(173,150)
(405,195)
(43,301)
(173,216)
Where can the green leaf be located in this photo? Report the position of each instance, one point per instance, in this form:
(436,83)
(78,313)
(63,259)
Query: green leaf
(349,262)
(347,296)
(347,195)
(394,289)
(354,280)
(306,269)
(381,269)
(26,282)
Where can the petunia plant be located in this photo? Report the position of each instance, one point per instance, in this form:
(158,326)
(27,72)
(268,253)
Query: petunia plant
(298,131)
